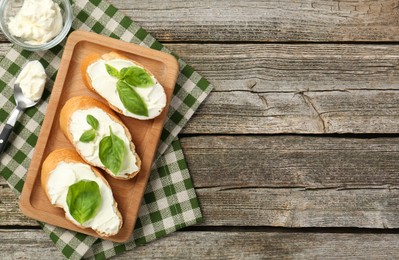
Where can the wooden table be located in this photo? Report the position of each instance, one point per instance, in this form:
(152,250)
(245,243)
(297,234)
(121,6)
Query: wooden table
(295,154)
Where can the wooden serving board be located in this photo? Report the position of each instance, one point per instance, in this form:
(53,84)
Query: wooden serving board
(145,134)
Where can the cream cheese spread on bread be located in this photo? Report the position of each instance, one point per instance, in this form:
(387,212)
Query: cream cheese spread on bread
(66,174)
(90,150)
(154,96)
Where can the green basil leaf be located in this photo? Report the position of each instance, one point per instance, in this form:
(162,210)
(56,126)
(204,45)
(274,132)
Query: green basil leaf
(112,71)
(131,100)
(88,136)
(136,77)
(123,73)
(91,120)
(84,200)
(112,152)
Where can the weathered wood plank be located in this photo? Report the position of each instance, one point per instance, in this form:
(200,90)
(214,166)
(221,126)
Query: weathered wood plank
(309,162)
(282,68)
(10,215)
(295,181)
(296,207)
(306,88)
(289,181)
(324,112)
(266,21)
(18,244)
(27,244)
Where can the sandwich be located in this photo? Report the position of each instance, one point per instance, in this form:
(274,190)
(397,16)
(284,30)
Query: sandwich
(81,191)
(126,85)
(100,137)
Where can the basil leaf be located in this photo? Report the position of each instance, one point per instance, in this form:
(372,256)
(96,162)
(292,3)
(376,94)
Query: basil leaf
(84,200)
(88,136)
(136,77)
(131,100)
(91,120)
(112,71)
(112,152)
(123,73)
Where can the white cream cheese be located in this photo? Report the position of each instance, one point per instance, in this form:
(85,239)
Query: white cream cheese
(78,125)
(105,85)
(64,175)
(32,79)
(37,22)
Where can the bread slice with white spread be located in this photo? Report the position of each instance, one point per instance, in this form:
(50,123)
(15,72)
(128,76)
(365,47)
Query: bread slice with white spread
(126,85)
(81,191)
(100,137)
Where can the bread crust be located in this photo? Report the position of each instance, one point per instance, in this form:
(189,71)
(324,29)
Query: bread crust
(107,56)
(84,102)
(71,156)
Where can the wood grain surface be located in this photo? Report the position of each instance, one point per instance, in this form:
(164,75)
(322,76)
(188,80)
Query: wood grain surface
(278,244)
(299,182)
(294,155)
(266,21)
(296,88)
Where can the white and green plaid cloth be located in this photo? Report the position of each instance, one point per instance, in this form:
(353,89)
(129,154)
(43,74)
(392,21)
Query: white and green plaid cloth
(170,202)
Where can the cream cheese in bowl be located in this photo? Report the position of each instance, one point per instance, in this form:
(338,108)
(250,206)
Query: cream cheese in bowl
(37,22)
(32,79)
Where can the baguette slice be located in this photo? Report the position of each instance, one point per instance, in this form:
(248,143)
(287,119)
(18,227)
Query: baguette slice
(91,59)
(70,156)
(84,103)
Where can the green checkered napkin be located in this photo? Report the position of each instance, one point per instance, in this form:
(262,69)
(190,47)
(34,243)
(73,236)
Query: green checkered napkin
(170,202)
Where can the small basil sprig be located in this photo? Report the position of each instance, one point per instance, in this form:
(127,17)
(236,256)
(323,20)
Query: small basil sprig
(84,200)
(112,71)
(128,78)
(112,152)
(92,121)
(134,76)
(89,135)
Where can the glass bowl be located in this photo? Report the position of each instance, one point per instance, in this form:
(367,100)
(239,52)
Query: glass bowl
(9,8)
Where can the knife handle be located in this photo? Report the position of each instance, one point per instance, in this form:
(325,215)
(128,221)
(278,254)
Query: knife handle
(4,137)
